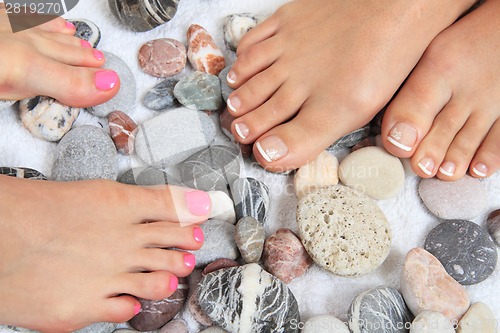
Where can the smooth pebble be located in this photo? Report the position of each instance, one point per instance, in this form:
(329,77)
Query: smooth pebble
(249,237)
(479,318)
(162,57)
(203,53)
(122,130)
(432,322)
(251,198)
(143,15)
(161,97)
(199,91)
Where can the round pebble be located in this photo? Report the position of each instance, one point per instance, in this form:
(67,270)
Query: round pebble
(249,237)
(466,250)
(161,97)
(322,171)
(431,322)
(479,318)
(493,223)
(373,171)
(325,324)
(163,57)
(222,207)
(463,199)
(343,231)
(199,91)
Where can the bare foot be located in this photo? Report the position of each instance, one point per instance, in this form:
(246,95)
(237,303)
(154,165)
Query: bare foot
(76,253)
(447,115)
(49,61)
(317,69)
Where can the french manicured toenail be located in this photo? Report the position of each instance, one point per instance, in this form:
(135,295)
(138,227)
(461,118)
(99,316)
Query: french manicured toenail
(85,44)
(480,170)
(233,103)
(198,202)
(106,80)
(448,169)
(137,308)
(198,234)
(231,77)
(70,25)
(98,55)
(174,283)
(189,260)
(272,148)
(427,166)
(242,130)
(403,136)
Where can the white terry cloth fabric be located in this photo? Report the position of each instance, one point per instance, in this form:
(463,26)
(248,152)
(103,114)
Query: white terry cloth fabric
(317,292)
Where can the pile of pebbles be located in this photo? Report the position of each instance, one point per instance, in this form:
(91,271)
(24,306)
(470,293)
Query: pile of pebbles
(241,276)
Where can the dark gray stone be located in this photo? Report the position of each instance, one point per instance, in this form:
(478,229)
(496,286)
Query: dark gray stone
(143,15)
(466,250)
(493,223)
(380,310)
(22,173)
(350,139)
(161,97)
(251,198)
(226,90)
(199,91)
(87,30)
(248,299)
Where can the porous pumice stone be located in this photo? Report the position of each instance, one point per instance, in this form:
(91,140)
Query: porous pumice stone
(431,322)
(373,171)
(322,171)
(479,318)
(343,231)
(325,324)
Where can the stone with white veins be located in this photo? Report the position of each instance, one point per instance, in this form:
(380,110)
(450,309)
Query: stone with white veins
(236,26)
(251,198)
(247,299)
(432,322)
(325,324)
(199,91)
(249,237)
(87,30)
(222,207)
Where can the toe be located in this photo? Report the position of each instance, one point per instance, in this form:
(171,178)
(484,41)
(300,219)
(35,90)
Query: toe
(119,309)
(153,286)
(487,159)
(58,25)
(260,33)
(168,234)
(178,263)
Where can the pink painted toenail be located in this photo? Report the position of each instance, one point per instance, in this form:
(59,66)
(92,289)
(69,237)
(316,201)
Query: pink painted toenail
(272,148)
(137,308)
(70,25)
(189,260)
(448,169)
(85,44)
(98,55)
(426,165)
(106,80)
(233,103)
(242,130)
(403,136)
(480,170)
(198,235)
(198,202)
(174,283)
(231,77)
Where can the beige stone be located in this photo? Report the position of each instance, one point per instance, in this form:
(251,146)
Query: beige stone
(322,171)
(479,318)
(431,322)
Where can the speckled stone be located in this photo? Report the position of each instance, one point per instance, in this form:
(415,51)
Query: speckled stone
(249,237)
(175,326)
(155,314)
(22,173)
(219,243)
(325,324)
(322,171)
(125,99)
(493,223)
(196,311)
(98,328)
(247,299)
(373,171)
(222,207)
(426,285)
(162,57)
(431,322)
(479,318)
(350,139)
(85,152)
(236,26)
(143,15)
(203,53)
(173,136)
(212,169)
(122,130)
(251,198)
(161,97)
(380,310)
(147,176)
(284,256)
(344,232)
(199,91)
(462,199)
(218,264)
(46,118)
(226,90)
(87,30)
(5,104)
(466,251)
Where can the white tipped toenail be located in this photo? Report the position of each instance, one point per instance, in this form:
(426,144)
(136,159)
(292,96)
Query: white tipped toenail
(403,136)
(272,148)
(399,144)
(230,105)
(242,130)
(263,153)
(480,170)
(426,165)
(447,169)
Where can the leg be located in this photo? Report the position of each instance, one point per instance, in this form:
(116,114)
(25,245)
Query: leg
(447,115)
(316,64)
(76,253)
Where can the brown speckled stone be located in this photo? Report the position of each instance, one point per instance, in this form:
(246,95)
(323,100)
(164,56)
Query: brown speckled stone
(163,57)
(122,130)
(203,54)
(219,264)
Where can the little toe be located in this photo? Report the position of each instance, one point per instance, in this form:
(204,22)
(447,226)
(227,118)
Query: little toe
(487,158)
(260,33)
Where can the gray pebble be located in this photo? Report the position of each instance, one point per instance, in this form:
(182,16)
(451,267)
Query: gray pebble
(199,91)
(249,237)
(87,30)
(161,97)
(251,198)
(226,90)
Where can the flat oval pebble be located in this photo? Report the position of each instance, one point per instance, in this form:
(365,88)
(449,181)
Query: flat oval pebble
(218,264)
(155,314)
(175,326)
(124,100)
(161,97)
(380,310)
(162,57)
(373,171)
(199,91)
(143,15)
(226,90)
(465,249)
(236,26)
(322,171)
(251,198)
(222,207)
(203,53)
(85,152)
(426,285)
(46,118)
(122,130)
(493,224)
(343,231)
(249,237)
(325,324)
(479,318)
(431,322)
(212,169)
(285,256)
(5,104)
(26,173)
(247,299)
(173,136)
(463,199)
(87,30)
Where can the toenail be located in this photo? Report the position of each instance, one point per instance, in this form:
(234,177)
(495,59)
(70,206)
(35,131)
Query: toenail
(480,170)
(189,260)
(231,77)
(137,308)
(426,165)
(106,80)
(198,202)
(233,103)
(403,136)
(242,130)
(447,169)
(198,235)
(98,54)
(272,148)
(70,25)
(174,283)
(85,44)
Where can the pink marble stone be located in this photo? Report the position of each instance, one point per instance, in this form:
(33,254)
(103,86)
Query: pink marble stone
(426,285)
(285,256)
(163,57)
(202,53)
(122,130)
